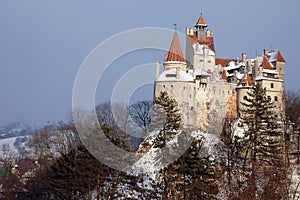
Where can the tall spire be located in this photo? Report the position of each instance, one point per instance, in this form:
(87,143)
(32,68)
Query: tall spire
(175,52)
(201,23)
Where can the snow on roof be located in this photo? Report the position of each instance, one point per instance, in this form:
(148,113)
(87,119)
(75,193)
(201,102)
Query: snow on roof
(273,56)
(276,56)
(232,66)
(269,71)
(199,72)
(260,75)
(170,75)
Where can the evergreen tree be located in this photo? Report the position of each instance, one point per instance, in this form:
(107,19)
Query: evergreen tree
(262,146)
(198,174)
(169,112)
(264,135)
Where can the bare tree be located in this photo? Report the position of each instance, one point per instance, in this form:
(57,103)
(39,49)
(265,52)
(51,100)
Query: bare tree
(292,103)
(140,113)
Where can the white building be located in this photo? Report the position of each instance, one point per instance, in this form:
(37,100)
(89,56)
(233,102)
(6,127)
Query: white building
(208,88)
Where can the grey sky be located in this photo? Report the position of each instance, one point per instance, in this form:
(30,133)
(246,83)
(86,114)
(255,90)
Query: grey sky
(43,43)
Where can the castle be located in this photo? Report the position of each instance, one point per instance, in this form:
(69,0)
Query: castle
(208,88)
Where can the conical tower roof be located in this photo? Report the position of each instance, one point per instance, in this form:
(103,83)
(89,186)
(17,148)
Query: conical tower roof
(201,22)
(280,57)
(175,52)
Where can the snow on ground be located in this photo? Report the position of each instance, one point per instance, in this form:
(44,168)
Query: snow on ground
(7,145)
(238,128)
(295,186)
(153,159)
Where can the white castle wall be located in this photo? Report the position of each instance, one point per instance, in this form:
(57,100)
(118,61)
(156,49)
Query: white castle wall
(202,106)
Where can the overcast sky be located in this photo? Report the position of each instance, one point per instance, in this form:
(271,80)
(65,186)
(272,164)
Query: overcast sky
(43,43)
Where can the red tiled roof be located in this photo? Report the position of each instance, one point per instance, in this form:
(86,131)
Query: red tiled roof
(175,52)
(208,40)
(201,21)
(224,76)
(266,64)
(280,57)
(224,62)
(249,79)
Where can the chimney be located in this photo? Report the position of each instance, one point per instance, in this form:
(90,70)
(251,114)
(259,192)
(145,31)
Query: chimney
(255,69)
(244,57)
(194,72)
(157,69)
(237,61)
(265,52)
(177,73)
(235,77)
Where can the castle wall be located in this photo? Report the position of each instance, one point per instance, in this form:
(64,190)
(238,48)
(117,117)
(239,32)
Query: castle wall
(280,68)
(206,62)
(202,106)
(277,95)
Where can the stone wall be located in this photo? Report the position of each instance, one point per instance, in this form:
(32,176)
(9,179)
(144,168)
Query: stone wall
(203,106)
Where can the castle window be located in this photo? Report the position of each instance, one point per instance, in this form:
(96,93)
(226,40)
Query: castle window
(170,75)
(171,86)
(192,107)
(276,98)
(164,86)
(272,85)
(245,97)
(200,60)
(269,97)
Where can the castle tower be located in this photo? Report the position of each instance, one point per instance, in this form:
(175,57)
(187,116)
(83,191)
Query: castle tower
(175,58)
(269,78)
(201,28)
(200,51)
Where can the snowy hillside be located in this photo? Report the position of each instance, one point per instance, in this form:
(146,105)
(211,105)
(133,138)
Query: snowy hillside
(12,145)
(152,162)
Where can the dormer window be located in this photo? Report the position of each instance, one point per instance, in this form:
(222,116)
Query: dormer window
(170,75)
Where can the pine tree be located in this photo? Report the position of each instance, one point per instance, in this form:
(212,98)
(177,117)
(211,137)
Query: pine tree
(264,135)
(262,146)
(168,107)
(198,174)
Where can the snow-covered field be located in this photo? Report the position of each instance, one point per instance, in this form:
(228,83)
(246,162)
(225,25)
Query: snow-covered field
(10,146)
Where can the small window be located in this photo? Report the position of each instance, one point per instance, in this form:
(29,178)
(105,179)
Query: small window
(276,98)
(192,107)
(200,60)
(170,75)
(272,85)
(245,97)
(171,86)
(269,97)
